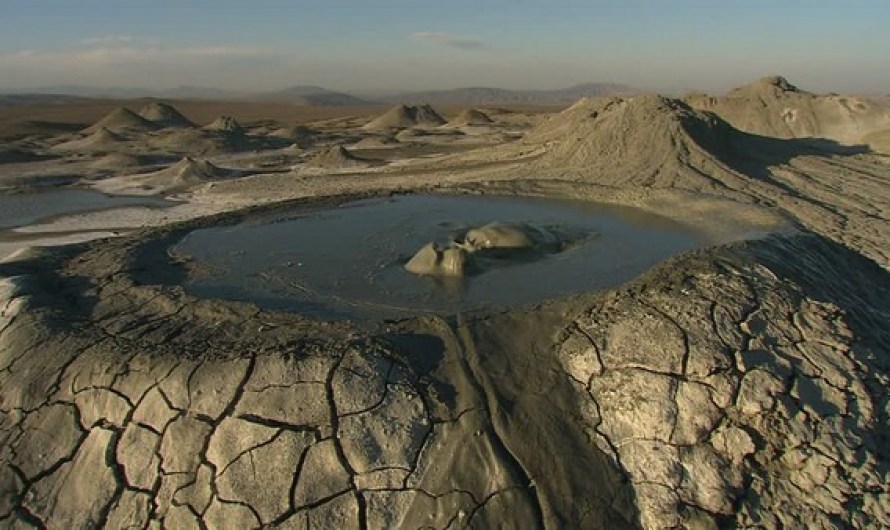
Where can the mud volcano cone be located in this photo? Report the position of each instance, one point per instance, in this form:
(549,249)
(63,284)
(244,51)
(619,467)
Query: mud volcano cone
(772,106)
(471,117)
(164,115)
(101,139)
(189,170)
(404,116)
(647,140)
(336,157)
(122,118)
(774,85)
(225,124)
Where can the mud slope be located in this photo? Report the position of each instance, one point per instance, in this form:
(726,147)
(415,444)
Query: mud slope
(101,140)
(336,157)
(772,106)
(471,117)
(653,142)
(185,174)
(122,119)
(225,124)
(200,141)
(738,387)
(165,115)
(404,116)
(116,162)
(644,141)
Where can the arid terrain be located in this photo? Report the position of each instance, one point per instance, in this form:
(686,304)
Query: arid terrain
(741,384)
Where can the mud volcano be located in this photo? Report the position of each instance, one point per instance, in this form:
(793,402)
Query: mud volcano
(361,260)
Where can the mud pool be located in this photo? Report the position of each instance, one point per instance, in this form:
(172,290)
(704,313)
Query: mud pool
(27,208)
(348,261)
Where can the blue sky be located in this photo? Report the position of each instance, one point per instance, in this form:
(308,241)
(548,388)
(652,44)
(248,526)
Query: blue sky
(371,45)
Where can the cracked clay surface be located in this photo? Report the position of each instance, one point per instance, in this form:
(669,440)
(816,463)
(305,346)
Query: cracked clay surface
(712,392)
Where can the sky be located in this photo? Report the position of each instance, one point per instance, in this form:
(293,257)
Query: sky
(368,46)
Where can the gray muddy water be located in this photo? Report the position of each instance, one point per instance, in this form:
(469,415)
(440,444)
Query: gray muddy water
(348,261)
(27,208)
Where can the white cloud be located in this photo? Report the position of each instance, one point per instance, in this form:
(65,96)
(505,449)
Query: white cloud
(449,40)
(108,40)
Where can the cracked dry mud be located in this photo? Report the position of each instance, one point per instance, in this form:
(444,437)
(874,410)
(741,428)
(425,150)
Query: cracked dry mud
(712,391)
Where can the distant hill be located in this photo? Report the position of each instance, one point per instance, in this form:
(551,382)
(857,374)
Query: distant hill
(297,95)
(81,91)
(309,95)
(10,100)
(320,96)
(500,96)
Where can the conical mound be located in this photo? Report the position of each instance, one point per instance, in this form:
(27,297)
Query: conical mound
(404,116)
(187,171)
(773,85)
(164,115)
(471,117)
(335,157)
(225,124)
(773,107)
(426,116)
(643,141)
(121,119)
(101,139)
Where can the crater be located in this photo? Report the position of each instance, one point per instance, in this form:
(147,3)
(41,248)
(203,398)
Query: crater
(359,260)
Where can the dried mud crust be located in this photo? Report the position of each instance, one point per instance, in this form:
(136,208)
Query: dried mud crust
(739,387)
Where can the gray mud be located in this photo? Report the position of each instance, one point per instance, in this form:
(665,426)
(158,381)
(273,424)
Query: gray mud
(349,261)
(575,414)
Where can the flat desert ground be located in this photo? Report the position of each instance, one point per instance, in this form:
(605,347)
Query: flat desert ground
(739,383)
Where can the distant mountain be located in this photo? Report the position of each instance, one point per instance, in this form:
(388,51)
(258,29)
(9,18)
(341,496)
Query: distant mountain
(320,96)
(181,92)
(500,96)
(9,100)
(199,92)
(309,95)
(297,95)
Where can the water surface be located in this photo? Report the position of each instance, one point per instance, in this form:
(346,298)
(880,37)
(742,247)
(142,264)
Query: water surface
(347,261)
(28,208)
